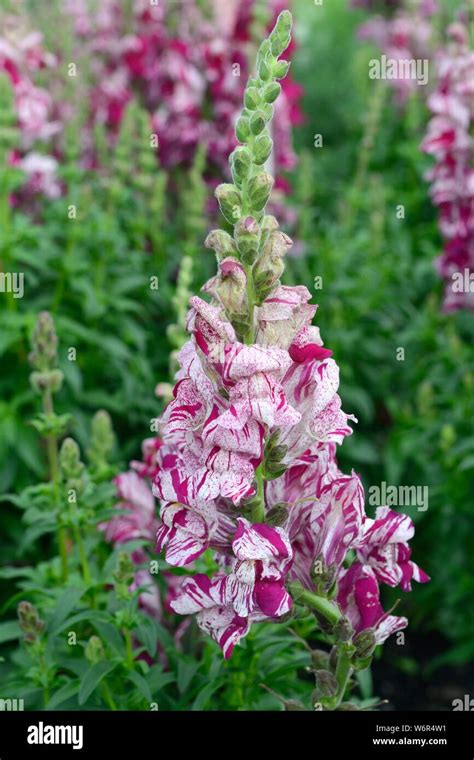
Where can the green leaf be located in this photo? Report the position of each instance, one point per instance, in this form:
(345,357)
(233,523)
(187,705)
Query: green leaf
(148,635)
(157,679)
(187,669)
(66,602)
(63,694)
(141,684)
(92,679)
(110,635)
(206,693)
(90,616)
(9,631)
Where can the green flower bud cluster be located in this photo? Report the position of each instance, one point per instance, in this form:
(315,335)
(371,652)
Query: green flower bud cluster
(243,202)
(273,466)
(365,644)
(269,267)
(71,467)
(324,577)
(123,576)
(102,442)
(44,343)
(256,241)
(134,148)
(31,624)
(94,650)
(43,357)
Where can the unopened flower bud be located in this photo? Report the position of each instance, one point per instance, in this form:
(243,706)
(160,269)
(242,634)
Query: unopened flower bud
(49,380)
(343,630)
(229,287)
(320,659)
(270,223)
(230,201)
(323,575)
(257,122)
(280,36)
(262,148)
(268,111)
(277,245)
(280,69)
(365,643)
(264,70)
(251,98)
(326,685)
(240,161)
(267,278)
(30,622)
(94,650)
(124,569)
(259,190)
(70,459)
(247,237)
(271,92)
(274,455)
(270,267)
(102,438)
(44,343)
(277,515)
(221,242)
(242,129)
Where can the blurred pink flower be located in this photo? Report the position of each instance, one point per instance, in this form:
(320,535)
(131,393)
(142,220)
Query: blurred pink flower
(449,140)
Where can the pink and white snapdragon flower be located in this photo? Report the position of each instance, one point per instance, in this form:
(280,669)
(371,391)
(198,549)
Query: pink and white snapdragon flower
(188,66)
(22,56)
(401,38)
(449,140)
(245,469)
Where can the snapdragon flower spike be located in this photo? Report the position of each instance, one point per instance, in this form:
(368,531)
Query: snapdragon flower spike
(449,141)
(246,466)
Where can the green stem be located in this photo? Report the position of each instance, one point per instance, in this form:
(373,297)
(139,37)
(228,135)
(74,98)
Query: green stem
(106,693)
(326,608)
(343,673)
(258,509)
(129,647)
(86,573)
(250,336)
(52,451)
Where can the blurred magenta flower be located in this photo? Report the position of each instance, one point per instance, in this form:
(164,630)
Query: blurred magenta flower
(22,56)
(407,36)
(449,139)
(188,67)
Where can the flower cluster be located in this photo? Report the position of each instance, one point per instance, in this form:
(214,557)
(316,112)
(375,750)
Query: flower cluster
(246,467)
(21,56)
(403,37)
(449,139)
(136,519)
(188,68)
